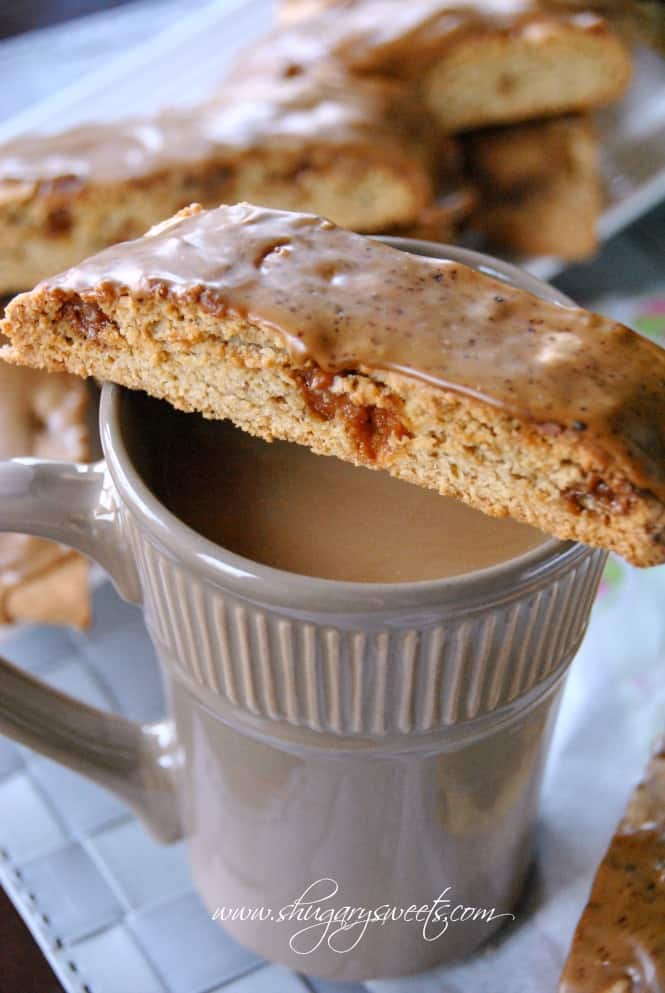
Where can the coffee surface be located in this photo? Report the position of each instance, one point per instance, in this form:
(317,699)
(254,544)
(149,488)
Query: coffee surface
(280,505)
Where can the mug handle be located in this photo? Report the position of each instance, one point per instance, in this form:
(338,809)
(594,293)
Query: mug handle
(76,504)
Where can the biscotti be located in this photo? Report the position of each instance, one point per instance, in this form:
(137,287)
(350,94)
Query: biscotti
(294,328)
(42,415)
(543,68)
(539,186)
(619,943)
(473,65)
(351,152)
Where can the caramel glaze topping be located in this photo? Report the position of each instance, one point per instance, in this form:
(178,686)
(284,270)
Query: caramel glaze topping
(391,37)
(621,935)
(342,303)
(288,113)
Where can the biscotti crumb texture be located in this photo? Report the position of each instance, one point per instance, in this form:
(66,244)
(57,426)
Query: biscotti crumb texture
(295,329)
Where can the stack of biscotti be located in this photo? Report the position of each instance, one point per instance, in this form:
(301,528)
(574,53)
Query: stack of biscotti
(619,943)
(352,114)
(294,328)
(42,414)
(535,70)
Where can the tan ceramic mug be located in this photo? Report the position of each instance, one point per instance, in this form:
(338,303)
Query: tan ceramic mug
(328,745)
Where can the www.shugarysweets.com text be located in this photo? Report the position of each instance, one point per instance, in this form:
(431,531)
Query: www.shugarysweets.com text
(318,921)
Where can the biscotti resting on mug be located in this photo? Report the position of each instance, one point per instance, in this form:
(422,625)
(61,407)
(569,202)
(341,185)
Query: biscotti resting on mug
(42,415)
(294,328)
(473,64)
(539,186)
(619,943)
(350,151)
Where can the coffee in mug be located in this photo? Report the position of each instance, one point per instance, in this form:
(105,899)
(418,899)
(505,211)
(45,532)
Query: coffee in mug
(283,506)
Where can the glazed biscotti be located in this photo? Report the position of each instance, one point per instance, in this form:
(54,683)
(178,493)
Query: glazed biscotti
(473,64)
(295,328)
(351,152)
(42,415)
(539,186)
(619,943)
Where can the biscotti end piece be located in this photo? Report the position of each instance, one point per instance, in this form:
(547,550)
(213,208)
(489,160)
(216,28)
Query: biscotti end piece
(42,415)
(619,943)
(542,69)
(540,191)
(294,328)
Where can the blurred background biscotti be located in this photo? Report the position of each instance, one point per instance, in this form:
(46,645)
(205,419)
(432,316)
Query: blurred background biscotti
(352,113)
